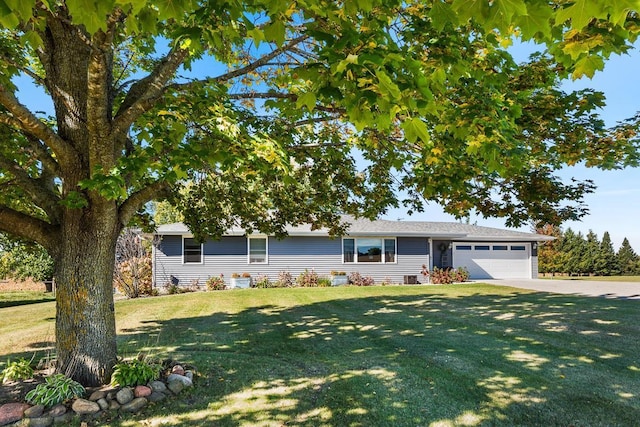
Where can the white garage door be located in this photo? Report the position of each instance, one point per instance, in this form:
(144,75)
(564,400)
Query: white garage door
(493,260)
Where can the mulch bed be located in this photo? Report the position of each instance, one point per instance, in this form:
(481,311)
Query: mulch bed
(15,391)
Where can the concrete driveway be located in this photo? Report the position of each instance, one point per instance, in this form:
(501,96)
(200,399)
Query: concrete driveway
(592,288)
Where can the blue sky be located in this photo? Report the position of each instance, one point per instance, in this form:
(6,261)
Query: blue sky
(615,205)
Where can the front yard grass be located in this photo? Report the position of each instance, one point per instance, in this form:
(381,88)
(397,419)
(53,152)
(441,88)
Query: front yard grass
(378,356)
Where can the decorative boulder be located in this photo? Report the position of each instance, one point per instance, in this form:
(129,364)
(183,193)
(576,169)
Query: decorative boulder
(34,412)
(175,385)
(97,395)
(135,405)
(39,422)
(157,396)
(158,386)
(12,412)
(57,410)
(85,407)
(124,396)
(104,405)
(178,369)
(142,391)
(175,377)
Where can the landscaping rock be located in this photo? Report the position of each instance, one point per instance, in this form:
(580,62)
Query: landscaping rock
(158,386)
(135,405)
(97,395)
(189,374)
(113,405)
(178,369)
(34,412)
(104,405)
(175,377)
(156,396)
(38,422)
(175,385)
(12,412)
(64,419)
(57,411)
(85,407)
(142,391)
(124,396)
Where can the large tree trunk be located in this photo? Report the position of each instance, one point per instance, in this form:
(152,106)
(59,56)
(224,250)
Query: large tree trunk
(85,320)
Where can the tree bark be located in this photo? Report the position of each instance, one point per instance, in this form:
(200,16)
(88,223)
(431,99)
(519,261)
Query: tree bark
(85,318)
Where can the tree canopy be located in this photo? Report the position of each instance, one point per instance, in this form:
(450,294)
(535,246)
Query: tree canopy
(283,112)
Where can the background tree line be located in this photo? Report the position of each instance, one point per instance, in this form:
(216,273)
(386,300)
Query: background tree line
(576,254)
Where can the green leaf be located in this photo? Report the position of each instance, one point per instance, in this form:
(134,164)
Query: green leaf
(587,66)
(415,128)
(469,9)
(502,12)
(441,14)
(170,9)
(21,8)
(537,20)
(580,13)
(275,32)
(307,99)
(386,86)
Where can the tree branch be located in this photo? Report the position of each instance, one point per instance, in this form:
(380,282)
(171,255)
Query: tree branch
(282,95)
(25,121)
(139,198)
(101,147)
(27,227)
(145,92)
(261,62)
(40,195)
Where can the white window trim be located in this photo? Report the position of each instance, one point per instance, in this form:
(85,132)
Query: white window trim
(201,252)
(266,255)
(355,249)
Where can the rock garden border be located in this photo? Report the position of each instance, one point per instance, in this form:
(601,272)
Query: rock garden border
(101,402)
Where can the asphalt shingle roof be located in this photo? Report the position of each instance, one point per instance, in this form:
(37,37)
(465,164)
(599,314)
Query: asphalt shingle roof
(364,227)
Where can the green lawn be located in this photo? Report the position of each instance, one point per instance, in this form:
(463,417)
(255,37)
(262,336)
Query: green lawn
(380,356)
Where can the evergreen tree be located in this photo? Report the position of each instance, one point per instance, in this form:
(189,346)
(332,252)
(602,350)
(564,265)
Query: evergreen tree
(628,260)
(607,262)
(572,249)
(590,254)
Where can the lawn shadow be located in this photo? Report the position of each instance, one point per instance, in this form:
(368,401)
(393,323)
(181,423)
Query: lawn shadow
(519,359)
(26,299)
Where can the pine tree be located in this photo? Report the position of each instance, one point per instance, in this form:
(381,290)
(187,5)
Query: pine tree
(628,260)
(590,254)
(607,262)
(572,250)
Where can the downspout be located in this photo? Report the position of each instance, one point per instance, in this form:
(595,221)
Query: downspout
(430,254)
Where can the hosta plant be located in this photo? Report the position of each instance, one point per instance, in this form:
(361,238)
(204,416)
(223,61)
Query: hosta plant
(134,372)
(16,370)
(56,389)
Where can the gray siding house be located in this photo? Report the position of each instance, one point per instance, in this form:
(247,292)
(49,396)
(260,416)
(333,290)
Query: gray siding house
(392,251)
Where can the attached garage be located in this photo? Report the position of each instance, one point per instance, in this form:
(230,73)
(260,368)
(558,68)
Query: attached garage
(494,260)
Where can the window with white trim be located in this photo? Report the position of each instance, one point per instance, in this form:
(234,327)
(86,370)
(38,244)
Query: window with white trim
(258,250)
(191,251)
(368,250)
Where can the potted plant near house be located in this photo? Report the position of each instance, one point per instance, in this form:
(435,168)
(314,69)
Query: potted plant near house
(338,278)
(240,280)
